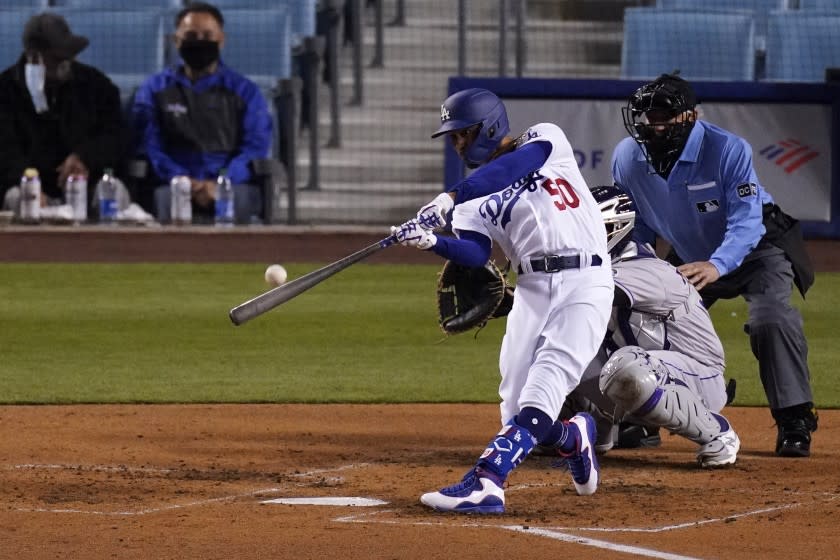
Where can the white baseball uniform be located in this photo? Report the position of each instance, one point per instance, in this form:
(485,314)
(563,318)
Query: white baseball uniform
(558,319)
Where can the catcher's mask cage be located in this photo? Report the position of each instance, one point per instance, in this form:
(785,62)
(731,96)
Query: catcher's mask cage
(648,115)
(619,215)
(471,107)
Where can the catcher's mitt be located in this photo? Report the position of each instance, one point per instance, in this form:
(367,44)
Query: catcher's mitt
(469,297)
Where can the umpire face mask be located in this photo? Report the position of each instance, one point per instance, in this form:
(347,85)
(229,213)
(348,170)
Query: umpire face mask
(198,54)
(660,117)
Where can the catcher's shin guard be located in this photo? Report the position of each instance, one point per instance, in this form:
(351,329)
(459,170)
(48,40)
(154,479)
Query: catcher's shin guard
(639,383)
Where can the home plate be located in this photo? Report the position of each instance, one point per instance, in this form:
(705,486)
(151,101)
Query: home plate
(327,501)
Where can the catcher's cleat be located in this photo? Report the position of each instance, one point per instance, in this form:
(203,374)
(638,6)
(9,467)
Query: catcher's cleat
(632,436)
(721,451)
(478,492)
(582,462)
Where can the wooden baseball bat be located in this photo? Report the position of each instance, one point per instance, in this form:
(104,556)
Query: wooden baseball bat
(281,294)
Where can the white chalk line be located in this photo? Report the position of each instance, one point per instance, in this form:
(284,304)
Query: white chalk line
(688,524)
(541,532)
(545,532)
(156,509)
(146,511)
(557,533)
(606,545)
(90,468)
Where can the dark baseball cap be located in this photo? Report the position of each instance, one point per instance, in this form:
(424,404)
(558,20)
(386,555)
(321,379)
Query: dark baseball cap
(49,33)
(671,91)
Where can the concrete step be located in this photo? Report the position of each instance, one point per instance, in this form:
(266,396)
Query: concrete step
(353,166)
(559,41)
(382,123)
(330,205)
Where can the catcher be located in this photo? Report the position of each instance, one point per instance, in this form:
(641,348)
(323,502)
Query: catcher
(548,225)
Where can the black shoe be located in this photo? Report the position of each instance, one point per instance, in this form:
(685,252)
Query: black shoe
(795,425)
(631,436)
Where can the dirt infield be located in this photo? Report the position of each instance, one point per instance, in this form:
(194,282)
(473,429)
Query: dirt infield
(168,481)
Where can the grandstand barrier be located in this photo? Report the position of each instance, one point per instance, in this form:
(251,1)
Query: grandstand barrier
(794,130)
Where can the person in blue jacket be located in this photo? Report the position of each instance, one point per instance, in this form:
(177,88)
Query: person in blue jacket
(200,117)
(695,187)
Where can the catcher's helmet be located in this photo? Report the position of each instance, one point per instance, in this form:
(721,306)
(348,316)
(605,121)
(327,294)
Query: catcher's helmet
(470,107)
(665,98)
(619,214)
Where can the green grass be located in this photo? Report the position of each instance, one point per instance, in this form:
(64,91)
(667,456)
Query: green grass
(160,333)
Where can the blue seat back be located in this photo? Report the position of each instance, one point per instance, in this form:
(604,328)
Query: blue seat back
(34,5)
(118,4)
(703,46)
(121,42)
(802,44)
(820,5)
(760,9)
(302,13)
(11,34)
(257,44)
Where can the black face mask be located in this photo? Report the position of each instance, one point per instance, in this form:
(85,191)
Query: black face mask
(198,54)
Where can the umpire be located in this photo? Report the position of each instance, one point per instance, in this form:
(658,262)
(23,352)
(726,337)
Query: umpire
(695,187)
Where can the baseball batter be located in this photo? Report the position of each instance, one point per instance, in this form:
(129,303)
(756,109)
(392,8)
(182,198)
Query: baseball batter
(666,361)
(546,221)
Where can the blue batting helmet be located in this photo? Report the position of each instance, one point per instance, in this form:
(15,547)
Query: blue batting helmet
(470,107)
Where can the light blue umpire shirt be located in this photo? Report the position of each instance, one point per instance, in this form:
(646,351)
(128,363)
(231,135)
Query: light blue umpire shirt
(709,209)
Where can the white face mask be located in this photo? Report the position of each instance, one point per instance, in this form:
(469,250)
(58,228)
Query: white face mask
(36,75)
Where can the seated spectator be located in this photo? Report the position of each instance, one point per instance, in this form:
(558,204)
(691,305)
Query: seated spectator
(57,115)
(199,117)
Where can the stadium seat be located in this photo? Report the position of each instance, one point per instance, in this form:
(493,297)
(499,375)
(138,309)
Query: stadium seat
(126,45)
(301,12)
(11,34)
(24,4)
(118,4)
(703,46)
(820,5)
(760,9)
(801,45)
(257,44)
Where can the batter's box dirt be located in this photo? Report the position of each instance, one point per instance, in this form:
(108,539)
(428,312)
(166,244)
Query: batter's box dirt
(105,489)
(176,493)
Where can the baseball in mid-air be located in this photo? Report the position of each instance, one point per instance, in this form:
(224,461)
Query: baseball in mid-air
(275,275)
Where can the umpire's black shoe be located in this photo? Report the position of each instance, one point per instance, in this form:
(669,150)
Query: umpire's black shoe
(631,436)
(795,425)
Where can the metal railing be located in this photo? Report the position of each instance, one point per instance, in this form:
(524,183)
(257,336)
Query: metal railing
(519,8)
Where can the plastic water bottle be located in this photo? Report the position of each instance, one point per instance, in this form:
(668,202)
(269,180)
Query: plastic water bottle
(107,190)
(180,206)
(224,200)
(30,196)
(76,194)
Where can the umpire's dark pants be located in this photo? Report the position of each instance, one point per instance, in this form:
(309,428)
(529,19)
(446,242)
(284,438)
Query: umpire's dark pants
(765,279)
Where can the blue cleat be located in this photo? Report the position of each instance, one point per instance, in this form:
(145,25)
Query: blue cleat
(478,492)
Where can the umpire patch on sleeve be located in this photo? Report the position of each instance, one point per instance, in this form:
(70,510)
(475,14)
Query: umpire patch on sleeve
(708,206)
(747,189)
